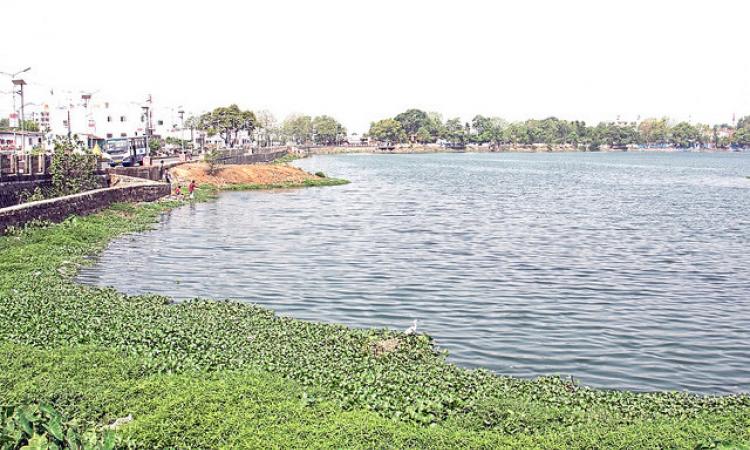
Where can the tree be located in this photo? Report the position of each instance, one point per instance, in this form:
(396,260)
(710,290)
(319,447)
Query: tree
(454,131)
(297,128)
(423,135)
(480,125)
(327,131)
(516,133)
(387,130)
(685,135)
(193,123)
(615,135)
(73,169)
(435,125)
(228,122)
(494,130)
(742,133)
(412,120)
(30,125)
(742,136)
(653,131)
(267,126)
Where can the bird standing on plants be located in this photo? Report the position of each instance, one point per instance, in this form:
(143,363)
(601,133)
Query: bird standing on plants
(412,329)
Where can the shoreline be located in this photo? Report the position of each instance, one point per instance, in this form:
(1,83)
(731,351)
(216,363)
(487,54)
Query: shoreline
(401,381)
(419,149)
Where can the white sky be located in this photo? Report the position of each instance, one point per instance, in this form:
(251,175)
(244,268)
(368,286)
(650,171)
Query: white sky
(365,60)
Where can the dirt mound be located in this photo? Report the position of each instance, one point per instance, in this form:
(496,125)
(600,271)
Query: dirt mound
(240,174)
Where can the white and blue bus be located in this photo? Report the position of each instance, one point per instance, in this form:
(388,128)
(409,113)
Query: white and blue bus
(128,151)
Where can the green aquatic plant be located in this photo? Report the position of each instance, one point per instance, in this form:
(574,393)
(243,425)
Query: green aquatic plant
(40,426)
(289,157)
(180,368)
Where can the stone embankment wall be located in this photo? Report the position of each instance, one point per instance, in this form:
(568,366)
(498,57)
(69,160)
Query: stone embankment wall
(15,189)
(58,209)
(152,172)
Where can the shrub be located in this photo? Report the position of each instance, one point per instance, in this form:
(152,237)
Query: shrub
(73,170)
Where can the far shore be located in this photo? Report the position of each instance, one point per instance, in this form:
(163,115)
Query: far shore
(539,148)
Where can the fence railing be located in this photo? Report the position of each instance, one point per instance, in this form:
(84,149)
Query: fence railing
(15,166)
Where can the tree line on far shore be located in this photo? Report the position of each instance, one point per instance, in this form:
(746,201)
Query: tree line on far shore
(228,121)
(417,126)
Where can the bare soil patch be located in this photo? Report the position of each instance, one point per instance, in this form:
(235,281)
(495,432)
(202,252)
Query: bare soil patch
(240,174)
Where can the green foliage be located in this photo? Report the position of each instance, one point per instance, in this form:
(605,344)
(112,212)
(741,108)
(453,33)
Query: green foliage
(154,145)
(742,134)
(314,182)
(320,174)
(213,159)
(227,121)
(40,426)
(297,129)
(654,131)
(387,130)
(289,157)
(742,137)
(73,170)
(176,142)
(327,131)
(684,135)
(28,125)
(454,131)
(412,120)
(34,196)
(488,129)
(182,370)
(418,126)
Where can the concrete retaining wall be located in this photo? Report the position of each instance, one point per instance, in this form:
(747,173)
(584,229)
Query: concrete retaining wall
(58,209)
(153,172)
(15,190)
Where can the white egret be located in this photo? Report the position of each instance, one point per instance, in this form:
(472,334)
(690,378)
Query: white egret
(412,329)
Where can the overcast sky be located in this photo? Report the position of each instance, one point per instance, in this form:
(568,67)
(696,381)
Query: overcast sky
(364,60)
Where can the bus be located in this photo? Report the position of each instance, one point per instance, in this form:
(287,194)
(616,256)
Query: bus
(128,151)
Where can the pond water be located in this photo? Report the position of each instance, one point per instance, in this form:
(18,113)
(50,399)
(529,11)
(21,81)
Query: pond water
(626,271)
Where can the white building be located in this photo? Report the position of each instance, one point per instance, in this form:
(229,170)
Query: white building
(97,118)
(14,141)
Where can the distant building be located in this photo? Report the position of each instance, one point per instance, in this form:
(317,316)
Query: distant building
(97,118)
(14,141)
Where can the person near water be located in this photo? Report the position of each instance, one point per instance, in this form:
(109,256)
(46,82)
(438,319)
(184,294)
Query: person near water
(167,178)
(191,189)
(178,191)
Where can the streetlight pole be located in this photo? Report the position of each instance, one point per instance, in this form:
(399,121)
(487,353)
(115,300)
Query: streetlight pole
(181,112)
(20,83)
(13,78)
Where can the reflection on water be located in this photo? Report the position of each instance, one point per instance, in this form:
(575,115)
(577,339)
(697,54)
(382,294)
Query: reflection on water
(623,270)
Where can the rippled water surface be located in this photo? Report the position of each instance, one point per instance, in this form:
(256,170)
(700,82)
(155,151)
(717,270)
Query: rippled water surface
(622,270)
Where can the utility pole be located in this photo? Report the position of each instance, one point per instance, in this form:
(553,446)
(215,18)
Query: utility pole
(15,113)
(21,84)
(181,112)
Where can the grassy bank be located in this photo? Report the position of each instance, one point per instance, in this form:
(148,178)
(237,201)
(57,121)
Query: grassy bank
(218,373)
(316,182)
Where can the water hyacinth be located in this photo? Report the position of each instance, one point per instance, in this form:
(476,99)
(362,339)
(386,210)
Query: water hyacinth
(205,351)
